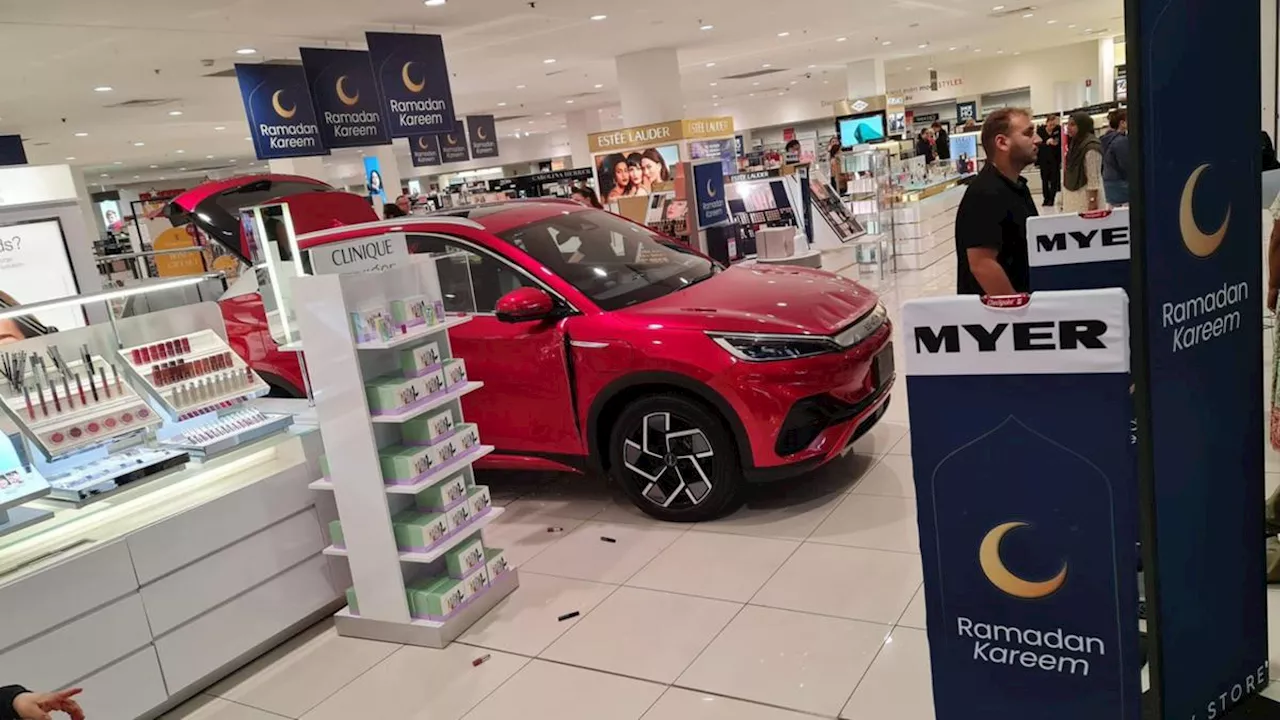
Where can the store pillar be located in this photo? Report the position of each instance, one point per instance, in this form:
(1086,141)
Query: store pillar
(649,85)
(865,78)
(1106,91)
(580,124)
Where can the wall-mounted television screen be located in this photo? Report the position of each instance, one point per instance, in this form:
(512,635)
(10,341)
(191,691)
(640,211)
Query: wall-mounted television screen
(861,129)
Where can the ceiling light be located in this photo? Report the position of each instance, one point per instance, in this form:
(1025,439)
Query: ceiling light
(103,88)
(1052,22)
(180,151)
(502,104)
(208,157)
(163,177)
(599,85)
(715,104)
(887,42)
(783,34)
(977,49)
(999,52)
(781,94)
(548,61)
(520,87)
(233,160)
(997,8)
(135,177)
(841,39)
(1027,15)
(766,65)
(711,64)
(599,17)
(952,49)
(220,127)
(182,169)
(153,167)
(568,102)
(1071,26)
(755,83)
(707,27)
(923,45)
(793,82)
(714,84)
(434,3)
(117,163)
(104,175)
(248,139)
(908,67)
(71,157)
(751,94)
(715,97)
(1088,30)
(1017,54)
(546,113)
(139,144)
(175,113)
(82,134)
(812,67)
(530,122)
(246,51)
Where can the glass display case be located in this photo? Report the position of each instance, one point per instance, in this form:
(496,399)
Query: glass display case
(870,200)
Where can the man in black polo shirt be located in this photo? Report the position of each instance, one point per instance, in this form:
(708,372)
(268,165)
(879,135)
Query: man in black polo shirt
(991,224)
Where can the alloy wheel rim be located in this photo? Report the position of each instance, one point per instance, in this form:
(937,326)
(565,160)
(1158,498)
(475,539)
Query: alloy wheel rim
(671,459)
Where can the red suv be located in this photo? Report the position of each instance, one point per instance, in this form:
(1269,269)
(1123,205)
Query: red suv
(605,345)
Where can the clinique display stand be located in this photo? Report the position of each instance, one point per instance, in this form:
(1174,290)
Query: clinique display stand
(340,367)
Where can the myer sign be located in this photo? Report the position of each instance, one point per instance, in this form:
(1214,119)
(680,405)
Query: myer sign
(1079,251)
(364,255)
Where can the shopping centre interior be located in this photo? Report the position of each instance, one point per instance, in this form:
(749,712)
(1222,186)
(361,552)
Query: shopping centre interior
(322,399)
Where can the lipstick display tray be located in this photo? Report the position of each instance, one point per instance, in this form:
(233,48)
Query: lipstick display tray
(193,374)
(274,423)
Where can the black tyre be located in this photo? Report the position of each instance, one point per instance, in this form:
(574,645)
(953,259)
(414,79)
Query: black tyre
(675,459)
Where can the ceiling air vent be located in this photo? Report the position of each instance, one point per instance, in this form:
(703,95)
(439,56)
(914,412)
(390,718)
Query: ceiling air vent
(1010,12)
(144,103)
(509,118)
(754,74)
(231,71)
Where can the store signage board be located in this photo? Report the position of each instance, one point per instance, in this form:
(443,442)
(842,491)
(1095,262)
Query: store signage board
(1198,357)
(1076,251)
(660,134)
(11,150)
(345,97)
(27,184)
(966,111)
(413,80)
(371,254)
(453,145)
(483,134)
(1027,528)
(554,175)
(709,194)
(35,267)
(277,104)
(425,150)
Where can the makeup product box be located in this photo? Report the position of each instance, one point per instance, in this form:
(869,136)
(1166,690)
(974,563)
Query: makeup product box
(412,311)
(495,562)
(438,599)
(416,530)
(438,497)
(438,305)
(477,581)
(434,381)
(465,558)
(465,436)
(371,323)
(429,429)
(402,465)
(335,534)
(478,500)
(458,517)
(351,601)
(393,394)
(455,373)
(420,360)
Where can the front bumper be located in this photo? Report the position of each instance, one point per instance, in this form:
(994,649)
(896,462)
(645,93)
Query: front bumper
(830,443)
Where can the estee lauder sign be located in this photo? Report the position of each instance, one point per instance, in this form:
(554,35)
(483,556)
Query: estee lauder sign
(660,133)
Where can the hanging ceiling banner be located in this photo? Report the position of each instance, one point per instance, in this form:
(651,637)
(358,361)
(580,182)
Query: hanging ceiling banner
(483,133)
(282,122)
(12,152)
(425,150)
(453,145)
(413,80)
(345,97)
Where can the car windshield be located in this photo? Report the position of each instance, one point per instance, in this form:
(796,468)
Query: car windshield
(613,261)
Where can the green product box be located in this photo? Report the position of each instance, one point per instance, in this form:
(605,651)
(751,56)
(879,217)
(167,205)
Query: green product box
(351,601)
(459,517)
(392,393)
(412,311)
(478,500)
(415,361)
(335,534)
(455,373)
(495,563)
(439,599)
(477,581)
(439,497)
(417,531)
(404,464)
(465,558)
(428,429)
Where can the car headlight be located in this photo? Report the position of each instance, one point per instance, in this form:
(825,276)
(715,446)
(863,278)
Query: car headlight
(763,348)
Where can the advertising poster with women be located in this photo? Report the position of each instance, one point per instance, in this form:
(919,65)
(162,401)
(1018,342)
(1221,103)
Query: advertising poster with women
(635,171)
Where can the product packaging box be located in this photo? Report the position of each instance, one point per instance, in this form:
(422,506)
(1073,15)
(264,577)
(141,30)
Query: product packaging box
(477,581)
(439,497)
(335,534)
(465,558)
(426,430)
(776,242)
(434,381)
(393,394)
(351,601)
(416,530)
(371,323)
(459,517)
(455,373)
(495,562)
(478,499)
(439,599)
(420,360)
(466,436)
(404,465)
(438,305)
(411,312)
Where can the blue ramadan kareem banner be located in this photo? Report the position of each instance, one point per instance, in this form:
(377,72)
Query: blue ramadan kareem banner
(453,145)
(709,195)
(1197,220)
(484,136)
(11,150)
(282,122)
(345,97)
(1027,510)
(424,150)
(1075,251)
(413,80)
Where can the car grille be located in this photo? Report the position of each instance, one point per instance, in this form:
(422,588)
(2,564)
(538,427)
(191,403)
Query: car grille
(862,328)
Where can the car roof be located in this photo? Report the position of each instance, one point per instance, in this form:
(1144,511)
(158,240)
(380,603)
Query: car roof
(500,217)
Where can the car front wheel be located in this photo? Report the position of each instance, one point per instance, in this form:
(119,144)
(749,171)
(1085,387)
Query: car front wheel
(675,459)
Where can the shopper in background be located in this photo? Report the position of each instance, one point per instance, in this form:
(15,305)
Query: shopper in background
(835,160)
(584,195)
(924,146)
(941,142)
(1050,158)
(1269,161)
(971,125)
(405,203)
(19,703)
(392,210)
(991,224)
(791,153)
(1115,158)
(1082,178)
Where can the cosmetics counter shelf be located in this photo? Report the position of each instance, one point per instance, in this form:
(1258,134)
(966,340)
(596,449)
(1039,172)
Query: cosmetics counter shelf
(399,456)
(924,223)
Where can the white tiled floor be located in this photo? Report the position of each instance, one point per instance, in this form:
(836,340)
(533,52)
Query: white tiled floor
(805,603)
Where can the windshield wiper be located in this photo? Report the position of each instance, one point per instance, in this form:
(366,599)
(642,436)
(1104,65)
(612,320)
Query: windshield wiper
(708,276)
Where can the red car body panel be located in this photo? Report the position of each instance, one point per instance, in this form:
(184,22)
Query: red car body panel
(549,385)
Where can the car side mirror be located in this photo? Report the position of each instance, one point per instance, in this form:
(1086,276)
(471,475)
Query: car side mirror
(523,305)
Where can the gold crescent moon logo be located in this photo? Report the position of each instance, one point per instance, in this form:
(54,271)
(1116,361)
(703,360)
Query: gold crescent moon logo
(1000,576)
(422,142)
(409,84)
(710,190)
(1200,244)
(450,140)
(480,133)
(343,97)
(279,107)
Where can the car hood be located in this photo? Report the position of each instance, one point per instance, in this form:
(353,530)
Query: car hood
(762,299)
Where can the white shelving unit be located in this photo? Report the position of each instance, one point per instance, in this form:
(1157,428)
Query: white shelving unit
(339,368)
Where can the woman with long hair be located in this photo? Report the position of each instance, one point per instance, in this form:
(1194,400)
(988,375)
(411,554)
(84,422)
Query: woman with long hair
(654,167)
(636,172)
(1082,176)
(615,178)
(584,195)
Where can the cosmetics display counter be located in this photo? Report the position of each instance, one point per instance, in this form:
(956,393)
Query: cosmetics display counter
(924,218)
